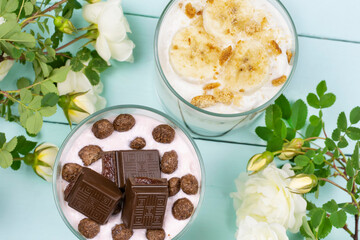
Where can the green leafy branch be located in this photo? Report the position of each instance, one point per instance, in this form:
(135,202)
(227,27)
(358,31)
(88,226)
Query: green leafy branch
(293,136)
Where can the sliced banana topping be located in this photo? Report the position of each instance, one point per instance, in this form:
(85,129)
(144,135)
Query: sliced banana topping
(231,20)
(248,68)
(194,53)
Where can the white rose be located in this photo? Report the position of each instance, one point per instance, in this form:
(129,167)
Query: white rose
(112,41)
(90,102)
(5,67)
(45,156)
(250,229)
(265,197)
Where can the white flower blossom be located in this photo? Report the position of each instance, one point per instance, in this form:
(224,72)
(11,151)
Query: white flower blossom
(112,26)
(5,67)
(90,102)
(265,197)
(45,156)
(250,229)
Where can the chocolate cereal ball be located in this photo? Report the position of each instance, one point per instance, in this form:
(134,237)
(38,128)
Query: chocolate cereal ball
(182,209)
(90,154)
(163,133)
(88,228)
(138,143)
(70,171)
(124,122)
(102,129)
(174,186)
(155,234)
(120,232)
(169,162)
(189,184)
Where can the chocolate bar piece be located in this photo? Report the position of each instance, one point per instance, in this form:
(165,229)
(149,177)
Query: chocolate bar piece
(93,195)
(145,203)
(120,165)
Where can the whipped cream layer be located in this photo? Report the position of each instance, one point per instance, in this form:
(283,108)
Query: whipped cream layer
(188,163)
(176,19)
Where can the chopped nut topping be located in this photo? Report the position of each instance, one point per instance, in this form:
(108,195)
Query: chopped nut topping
(242,90)
(223,96)
(210,86)
(252,27)
(225,55)
(289,55)
(275,47)
(203,101)
(199,13)
(180,5)
(210,1)
(190,11)
(175,47)
(264,22)
(279,81)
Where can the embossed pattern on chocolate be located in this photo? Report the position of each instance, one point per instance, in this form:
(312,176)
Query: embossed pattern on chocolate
(145,203)
(94,196)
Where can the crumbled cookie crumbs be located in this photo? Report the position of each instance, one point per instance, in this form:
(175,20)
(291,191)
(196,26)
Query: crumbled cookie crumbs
(225,55)
(275,47)
(199,13)
(242,90)
(203,101)
(279,81)
(210,1)
(175,47)
(289,55)
(180,5)
(210,86)
(190,11)
(223,96)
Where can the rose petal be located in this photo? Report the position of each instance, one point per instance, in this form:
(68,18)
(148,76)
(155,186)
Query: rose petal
(68,85)
(91,12)
(111,24)
(122,51)
(102,48)
(5,67)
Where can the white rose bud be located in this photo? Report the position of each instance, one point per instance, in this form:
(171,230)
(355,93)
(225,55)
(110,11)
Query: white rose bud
(302,183)
(44,159)
(260,161)
(290,149)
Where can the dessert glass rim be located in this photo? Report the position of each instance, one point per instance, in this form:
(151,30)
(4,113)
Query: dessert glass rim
(259,108)
(136,107)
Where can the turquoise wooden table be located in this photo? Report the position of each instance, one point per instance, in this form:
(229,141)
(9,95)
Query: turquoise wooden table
(329,49)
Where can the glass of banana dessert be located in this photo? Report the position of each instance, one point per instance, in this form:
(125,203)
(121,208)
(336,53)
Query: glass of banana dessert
(222,62)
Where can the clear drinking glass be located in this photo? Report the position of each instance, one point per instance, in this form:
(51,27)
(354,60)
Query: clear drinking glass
(111,113)
(200,121)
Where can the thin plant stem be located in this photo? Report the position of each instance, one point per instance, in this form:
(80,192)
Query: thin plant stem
(21,8)
(71,42)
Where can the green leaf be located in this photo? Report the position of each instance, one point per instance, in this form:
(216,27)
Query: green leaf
(76,65)
(24,146)
(319,159)
(34,123)
(291,133)
(314,120)
(355,157)
(100,65)
(22,83)
(306,228)
(343,143)
(336,134)
(331,206)
(351,209)
(83,54)
(338,219)
(11,5)
(6,159)
(350,169)
(2,139)
(302,160)
(324,228)
(93,76)
(350,184)
(317,217)
(310,153)
(36,103)
(11,145)
(321,88)
(327,100)
(30,56)
(16,53)
(16,165)
(28,8)
(25,39)
(49,87)
(355,115)
(280,128)
(50,100)
(313,100)
(284,105)
(59,74)
(342,122)
(353,133)
(299,114)
(313,131)
(48,111)
(264,133)
(274,144)
(273,113)
(330,144)
(25,96)
(309,169)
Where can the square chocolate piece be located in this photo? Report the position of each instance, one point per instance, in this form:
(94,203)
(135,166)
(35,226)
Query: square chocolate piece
(145,203)
(120,165)
(93,195)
